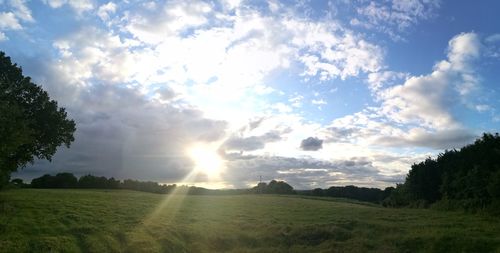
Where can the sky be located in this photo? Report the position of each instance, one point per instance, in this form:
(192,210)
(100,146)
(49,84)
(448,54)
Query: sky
(221,93)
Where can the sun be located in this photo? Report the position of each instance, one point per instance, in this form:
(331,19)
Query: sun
(206,160)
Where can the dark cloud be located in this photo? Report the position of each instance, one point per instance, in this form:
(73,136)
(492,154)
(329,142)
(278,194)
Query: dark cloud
(255,123)
(121,134)
(166,93)
(443,139)
(253,142)
(311,144)
(337,134)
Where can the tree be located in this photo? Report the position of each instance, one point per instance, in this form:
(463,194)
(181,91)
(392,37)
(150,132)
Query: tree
(60,180)
(274,187)
(468,178)
(31,124)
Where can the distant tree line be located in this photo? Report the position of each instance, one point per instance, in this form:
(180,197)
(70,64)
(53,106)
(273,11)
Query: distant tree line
(374,195)
(70,181)
(468,179)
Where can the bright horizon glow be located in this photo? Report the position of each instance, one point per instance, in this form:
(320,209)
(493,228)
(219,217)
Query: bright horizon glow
(206,160)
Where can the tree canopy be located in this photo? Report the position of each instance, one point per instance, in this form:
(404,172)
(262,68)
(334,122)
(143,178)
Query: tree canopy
(468,178)
(31,124)
(274,187)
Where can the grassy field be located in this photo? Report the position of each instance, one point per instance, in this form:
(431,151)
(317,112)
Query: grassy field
(125,221)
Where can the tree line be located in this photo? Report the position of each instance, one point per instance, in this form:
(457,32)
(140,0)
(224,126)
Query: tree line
(67,180)
(468,178)
(374,195)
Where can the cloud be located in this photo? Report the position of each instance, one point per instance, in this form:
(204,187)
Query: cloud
(166,94)
(79,6)
(121,134)
(318,102)
(21,10)
(333,52)
(384,79)
(105,10)
(302,173)
(311,144)
(254,136)
(463,49)
(394,17)
(157,21)
(145,81)
(16,14)
(492,45)
(424,99)
(443,139)
(252,142)
(90,53)
(417,112)
(482,108)
(282,108)
(8,21)
(493,38)
(296,100)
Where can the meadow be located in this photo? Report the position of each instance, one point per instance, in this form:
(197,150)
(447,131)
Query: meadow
(42,220)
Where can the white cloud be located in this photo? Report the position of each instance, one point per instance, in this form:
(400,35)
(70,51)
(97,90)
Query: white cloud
(492,47)
(8,21)
(393,17)
(231,4)
(12,19)
(296,100)
(79,6)
(416,113)
(462,50)
(21,10)
(318,102)
(105,10)
(92,53)
(207,62)
(420,100)
(425,100)
(155,25)
(282,108)
(482,108)
(333,52)
(493,38)
(383,79)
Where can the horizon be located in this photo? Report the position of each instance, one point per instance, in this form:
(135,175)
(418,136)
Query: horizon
(190,184)
(218,93)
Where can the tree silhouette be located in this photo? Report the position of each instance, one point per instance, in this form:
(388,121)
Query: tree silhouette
(468,178)
(31,125)
(274,187)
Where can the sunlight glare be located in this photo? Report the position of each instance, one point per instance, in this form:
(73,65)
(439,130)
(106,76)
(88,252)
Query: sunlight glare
(206,160)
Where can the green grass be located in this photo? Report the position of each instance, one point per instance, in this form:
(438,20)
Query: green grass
(126,221)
